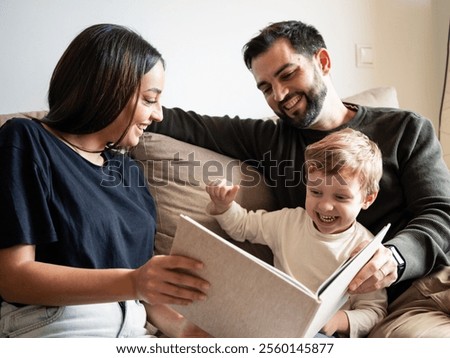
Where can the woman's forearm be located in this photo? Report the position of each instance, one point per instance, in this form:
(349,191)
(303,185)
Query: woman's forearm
(26,281)
(52,285)
(161,280)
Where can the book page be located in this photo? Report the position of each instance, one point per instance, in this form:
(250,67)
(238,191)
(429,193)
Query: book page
(333,292)
(272,268)
(246,298)
(355,262)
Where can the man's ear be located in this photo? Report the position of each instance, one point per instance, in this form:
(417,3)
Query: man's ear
(369,199)
(324,60)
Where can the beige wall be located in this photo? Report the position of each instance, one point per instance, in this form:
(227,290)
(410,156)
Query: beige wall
(406,34)
(445,109)
(445,121)
(201,41)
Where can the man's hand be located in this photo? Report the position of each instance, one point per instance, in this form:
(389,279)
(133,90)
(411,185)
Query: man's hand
(379,272)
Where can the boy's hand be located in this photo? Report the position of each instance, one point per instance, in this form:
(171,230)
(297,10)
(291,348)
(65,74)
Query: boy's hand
(338,323)
(222,195)
(190,330)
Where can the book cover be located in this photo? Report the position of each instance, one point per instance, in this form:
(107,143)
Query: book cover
(250,298)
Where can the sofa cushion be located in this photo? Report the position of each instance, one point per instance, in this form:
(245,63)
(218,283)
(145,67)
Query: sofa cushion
(375,97)
(177,175)
(35,114)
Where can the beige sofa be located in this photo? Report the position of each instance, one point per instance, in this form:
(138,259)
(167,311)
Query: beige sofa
(177,173)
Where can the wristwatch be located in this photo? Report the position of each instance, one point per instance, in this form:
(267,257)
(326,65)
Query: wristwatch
(399,258)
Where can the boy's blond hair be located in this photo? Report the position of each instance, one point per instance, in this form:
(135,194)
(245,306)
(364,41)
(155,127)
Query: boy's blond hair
(347,153)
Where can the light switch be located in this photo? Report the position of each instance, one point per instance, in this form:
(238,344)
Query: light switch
(364,55)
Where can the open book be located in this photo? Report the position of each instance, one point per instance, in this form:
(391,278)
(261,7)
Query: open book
(250,298)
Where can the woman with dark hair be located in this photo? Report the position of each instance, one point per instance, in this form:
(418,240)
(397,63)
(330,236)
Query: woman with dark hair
(77,221)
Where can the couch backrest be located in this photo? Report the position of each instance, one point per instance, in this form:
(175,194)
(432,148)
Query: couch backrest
(35,114)
(177,174)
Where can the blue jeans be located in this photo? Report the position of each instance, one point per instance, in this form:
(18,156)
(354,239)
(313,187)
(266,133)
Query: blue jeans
(96,320)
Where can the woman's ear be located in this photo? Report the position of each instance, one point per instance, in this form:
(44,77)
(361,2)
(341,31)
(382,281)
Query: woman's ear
(368,200)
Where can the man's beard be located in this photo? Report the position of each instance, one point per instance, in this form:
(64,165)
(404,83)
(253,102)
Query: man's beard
(314,103)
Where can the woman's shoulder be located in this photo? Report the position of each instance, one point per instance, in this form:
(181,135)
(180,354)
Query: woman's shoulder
(18,130)
(14,125)
(23,133)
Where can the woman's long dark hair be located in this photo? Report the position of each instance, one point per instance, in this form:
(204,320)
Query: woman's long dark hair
(96,77)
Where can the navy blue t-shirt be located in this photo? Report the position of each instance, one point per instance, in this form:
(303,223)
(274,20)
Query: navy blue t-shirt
(76,213)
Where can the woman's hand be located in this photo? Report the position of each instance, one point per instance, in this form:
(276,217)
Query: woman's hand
(166,280)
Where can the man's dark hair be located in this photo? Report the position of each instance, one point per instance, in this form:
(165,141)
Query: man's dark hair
(305,39)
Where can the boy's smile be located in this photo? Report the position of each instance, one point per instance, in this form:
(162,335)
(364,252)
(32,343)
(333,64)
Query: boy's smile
(332,203)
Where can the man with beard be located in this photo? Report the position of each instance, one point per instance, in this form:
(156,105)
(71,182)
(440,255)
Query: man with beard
(291,65)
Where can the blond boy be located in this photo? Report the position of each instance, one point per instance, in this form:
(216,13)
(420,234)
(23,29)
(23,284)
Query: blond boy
(343,171)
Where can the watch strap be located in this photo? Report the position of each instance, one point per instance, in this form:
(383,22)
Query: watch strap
(401,264)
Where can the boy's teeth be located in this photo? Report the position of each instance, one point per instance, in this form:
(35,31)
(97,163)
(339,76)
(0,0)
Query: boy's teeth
(327,218)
